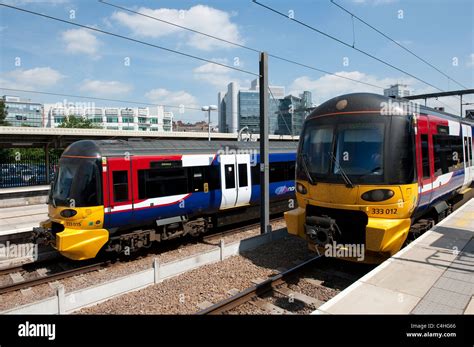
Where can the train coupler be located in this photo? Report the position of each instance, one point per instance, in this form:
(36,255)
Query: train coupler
(321,230)
(42,236)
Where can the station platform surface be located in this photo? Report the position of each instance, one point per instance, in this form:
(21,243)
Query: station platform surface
(23,196)
(14,220)
(432,275)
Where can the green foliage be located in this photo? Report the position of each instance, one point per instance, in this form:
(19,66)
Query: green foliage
(77,122)
(3,114)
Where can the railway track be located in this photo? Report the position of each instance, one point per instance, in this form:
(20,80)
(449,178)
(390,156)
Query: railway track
(41,279)
(19,272)
(238,230)
(258,291)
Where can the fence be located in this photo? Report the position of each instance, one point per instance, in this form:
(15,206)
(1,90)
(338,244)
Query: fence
(21,167)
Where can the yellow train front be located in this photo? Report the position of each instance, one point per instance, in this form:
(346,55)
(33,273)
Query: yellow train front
(357,187)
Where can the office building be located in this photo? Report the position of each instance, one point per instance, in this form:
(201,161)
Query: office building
(23,112)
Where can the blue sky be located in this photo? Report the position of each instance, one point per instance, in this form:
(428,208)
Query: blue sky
(43,55)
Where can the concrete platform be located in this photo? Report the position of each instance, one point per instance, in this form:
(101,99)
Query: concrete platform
(432,275)
(20,219)
(23,196)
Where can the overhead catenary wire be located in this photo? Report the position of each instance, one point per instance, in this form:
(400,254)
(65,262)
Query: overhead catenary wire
(396,42)
(237,44)
(130,39)
(345,44)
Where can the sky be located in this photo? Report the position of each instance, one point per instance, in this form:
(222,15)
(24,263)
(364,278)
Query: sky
(44,55)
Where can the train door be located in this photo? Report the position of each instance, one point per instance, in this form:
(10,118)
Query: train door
(466,132)
(425,164)
(120,208)
(235,180)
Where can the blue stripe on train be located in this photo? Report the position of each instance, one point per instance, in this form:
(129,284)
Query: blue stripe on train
(195,204)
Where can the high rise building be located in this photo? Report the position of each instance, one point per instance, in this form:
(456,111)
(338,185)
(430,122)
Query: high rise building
(398,91)
(239,108)
(23,112)
(293,111)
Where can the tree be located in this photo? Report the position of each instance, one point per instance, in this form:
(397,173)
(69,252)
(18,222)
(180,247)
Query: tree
(3,114)
(77,122)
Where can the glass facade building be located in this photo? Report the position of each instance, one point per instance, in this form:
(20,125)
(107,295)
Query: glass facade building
(293,112)
(23,112)
(240,108)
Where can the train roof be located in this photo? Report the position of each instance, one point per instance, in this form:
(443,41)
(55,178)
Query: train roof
(375,102)
(111,148)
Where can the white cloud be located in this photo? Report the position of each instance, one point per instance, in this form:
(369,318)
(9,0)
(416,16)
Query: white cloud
(81,41)
(216,75)
(37,77)
(329,86)
(200,17)
(163,96)
(470,61)
(105,88)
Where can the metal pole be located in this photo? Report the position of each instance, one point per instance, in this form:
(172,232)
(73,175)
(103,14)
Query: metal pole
(460,103)
(264,160)
(209,125)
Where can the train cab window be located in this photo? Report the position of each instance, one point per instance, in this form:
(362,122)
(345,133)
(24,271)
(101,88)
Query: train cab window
(120,182)
(229,176)
(243,180)
(425,156)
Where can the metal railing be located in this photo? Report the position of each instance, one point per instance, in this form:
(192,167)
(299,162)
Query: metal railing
(27,167)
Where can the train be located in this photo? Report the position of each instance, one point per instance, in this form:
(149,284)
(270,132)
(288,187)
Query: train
(375,172)
(122,195)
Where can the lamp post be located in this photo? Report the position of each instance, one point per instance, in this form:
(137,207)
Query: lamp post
(209,109)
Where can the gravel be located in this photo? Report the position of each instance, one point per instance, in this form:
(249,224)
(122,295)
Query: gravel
(164,252)
(210,283)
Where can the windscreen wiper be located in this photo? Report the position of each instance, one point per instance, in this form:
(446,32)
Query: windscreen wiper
(305,168)
(341,171)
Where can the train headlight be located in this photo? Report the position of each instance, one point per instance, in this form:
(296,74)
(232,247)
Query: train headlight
(301,188)
(68,213)
(377,195)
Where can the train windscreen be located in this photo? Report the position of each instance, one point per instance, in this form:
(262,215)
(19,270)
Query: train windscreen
(365,149)
(77,183)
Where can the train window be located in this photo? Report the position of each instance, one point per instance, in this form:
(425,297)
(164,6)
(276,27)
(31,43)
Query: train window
(243,180)
(229,176)
(213,177)
(448,153)
(120,182)
(425,156)
(469,140)
(155,183)
(466,149)
(255,171)
(198,179)
(291,171)
(278,172)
